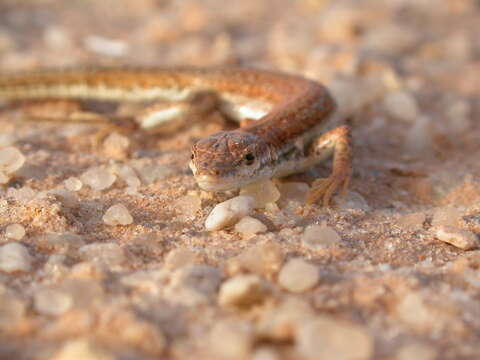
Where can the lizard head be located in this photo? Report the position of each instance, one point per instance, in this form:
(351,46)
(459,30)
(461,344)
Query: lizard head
(229,160)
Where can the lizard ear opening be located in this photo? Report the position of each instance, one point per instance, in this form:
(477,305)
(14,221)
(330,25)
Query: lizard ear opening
(249,159)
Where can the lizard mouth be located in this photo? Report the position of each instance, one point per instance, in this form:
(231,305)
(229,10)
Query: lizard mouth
(212,183)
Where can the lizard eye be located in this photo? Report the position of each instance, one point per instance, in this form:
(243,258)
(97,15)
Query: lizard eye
(249,159)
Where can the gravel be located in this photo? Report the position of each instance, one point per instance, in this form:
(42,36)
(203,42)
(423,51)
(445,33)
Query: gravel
(15,257)
(229,212)
(298,276)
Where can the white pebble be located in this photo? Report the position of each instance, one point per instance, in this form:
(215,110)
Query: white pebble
(242,291)
(152,173)
(248,226)
(15,231)
(459,238)
(116,145)
(180,257)
(52,302)
(14,257)
(352,200)
(109,254)
(294,191)
(229,212)
(81,349)
(298,276)
(317,237)
(129,176)
(265,353)
(401,105)
(263,192)
(98,179)
(329,338)
(271,208)
(230,339)
(105,46)
(73,184)
(117,214)
(419,138)
(22,195)
(417,351)
(11,159)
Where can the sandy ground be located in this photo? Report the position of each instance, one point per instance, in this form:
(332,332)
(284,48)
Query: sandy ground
(373,281)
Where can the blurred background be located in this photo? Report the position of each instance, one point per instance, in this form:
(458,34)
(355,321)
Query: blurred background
(407,74)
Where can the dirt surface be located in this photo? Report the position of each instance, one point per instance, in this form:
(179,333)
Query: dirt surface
(374,281)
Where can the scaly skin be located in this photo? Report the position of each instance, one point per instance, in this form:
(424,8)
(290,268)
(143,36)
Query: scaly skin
(293,114)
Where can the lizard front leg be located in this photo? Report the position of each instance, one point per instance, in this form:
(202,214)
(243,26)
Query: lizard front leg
(338,142)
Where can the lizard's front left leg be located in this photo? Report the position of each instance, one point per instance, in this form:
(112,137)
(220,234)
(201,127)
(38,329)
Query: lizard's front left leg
(338,142)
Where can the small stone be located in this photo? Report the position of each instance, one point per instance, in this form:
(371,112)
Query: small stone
(229,212)
(231,340)
(419,138)
(298,276)
(12,311)
(152,173)
(98,179)
(282,323)
(462,239)
(66,197)
(55,268)
(73,184)
(249,226)
(416,351)
(413,311)
(188,205)
(22,195)
(116,145)
(105,46)
(271,208)
(194,284)
(128,175)
(352,200)
(264,259)
(88,271)
(180,257)
(242,291)
(109,254)
(266,353)
(318,237)
(14,257)
(117,214)
(52,302)
(11,159)
(15,231)
(325,337)
(263,193)
(446,216)
(294,191)
(81,349)
(401,105)
(56,38)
